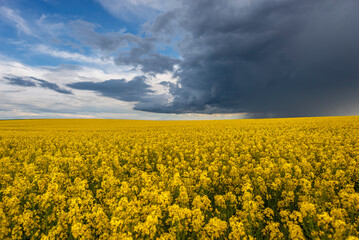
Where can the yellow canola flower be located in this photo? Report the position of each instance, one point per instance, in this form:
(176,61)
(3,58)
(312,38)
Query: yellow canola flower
(229,179)
(215,228)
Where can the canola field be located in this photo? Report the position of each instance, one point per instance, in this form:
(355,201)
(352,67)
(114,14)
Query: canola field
(228,179)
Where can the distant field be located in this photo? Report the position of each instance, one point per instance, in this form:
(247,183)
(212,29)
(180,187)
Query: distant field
(228,179)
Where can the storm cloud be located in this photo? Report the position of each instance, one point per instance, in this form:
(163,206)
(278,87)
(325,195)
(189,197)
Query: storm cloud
(131,91)
(264,58)
(35,82)
(282,58)
(128,49)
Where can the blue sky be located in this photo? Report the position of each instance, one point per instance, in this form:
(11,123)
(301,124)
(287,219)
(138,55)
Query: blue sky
(178,59)
(26,24)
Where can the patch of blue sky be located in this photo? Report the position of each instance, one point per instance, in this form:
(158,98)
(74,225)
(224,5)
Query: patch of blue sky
(48,24)
(45,60)
(168,50)
(7,32)
(67,10)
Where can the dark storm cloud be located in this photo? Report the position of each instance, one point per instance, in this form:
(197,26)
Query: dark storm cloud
(20,81)
(35,82)
(135,90)
(265,58)
(136,51)
(52,86)
(149,62)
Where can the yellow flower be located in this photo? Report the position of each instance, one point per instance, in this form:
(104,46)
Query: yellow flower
(272,230)
(307,209)
(295,231)
(215,228)
(202,202)
(238,229)
(197,220)
(230,179)
(220,201)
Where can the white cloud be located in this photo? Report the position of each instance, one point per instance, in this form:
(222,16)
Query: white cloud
(161,5)
(36,102)
(64,74)
(15,19)
(53,29)
(43,49)
(138,9)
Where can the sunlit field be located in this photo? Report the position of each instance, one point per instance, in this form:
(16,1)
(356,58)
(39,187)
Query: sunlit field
(228,179)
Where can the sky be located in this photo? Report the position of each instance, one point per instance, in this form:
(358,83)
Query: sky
(178,59)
